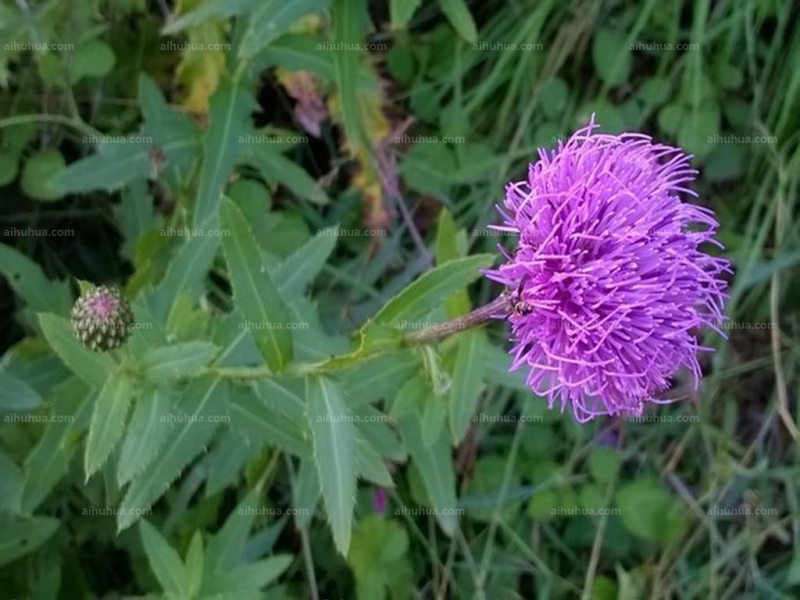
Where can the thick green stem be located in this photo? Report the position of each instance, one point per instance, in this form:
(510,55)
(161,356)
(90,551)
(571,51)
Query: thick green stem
(434,333)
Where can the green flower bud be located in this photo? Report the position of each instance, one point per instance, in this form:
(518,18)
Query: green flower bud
(102,318)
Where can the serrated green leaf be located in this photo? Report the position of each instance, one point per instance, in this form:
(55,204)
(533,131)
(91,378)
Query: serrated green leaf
(256,295)
(108,420)
(148,430)
(284,396)
(135,215)
(370,465)
(334,438)
(186,274)
(114,165)
(226,461)
(226,548)
(19,537)
(306,493)
(379,430)
(204,403)
(166,125)
(347,20)
(467,381)
(251,577)
(447,249)
(459,16)
(430,290)
(276,168)
(229,115)
(435,465)
(29,282)
(379,377)
(221,9)
(300,52)
(49,460)
(259,421)
(433,418)
(92,367)
(272,18)
(296,272)
(164,561)
(179,360)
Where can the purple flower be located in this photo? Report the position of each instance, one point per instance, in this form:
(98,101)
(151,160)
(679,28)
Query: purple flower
(379,501)
(608,281)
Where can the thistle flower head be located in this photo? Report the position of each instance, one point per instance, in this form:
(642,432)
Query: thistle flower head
(608,280)
(102,318)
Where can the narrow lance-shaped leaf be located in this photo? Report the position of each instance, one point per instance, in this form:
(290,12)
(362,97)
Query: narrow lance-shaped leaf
(92,367)
(431,289)
(306,493)
(164,561)
(300,268)
(247,580)
(49,460)
(276,168)
(271,19)
(449,247)
(205,397)
(176,361)
(226,548)
(335,454)
(221,9)
(229,114)
(148,431)
(256,295)
(30,283)
(185,274)
(401,11)
(194,565)
(459,16)
(435,464)
(467,381)
(230,454)
(256,419)
(108,420)
(347,17)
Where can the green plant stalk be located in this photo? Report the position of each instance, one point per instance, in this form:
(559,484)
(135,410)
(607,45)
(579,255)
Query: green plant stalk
(479,316)
(434,333)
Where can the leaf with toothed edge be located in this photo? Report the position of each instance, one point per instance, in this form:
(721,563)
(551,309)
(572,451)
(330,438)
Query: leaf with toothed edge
(108,420)
(92,367)
(203,403)
(256,295)
(147,432)
(335,453)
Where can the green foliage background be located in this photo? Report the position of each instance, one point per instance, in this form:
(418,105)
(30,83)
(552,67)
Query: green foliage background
(272,429)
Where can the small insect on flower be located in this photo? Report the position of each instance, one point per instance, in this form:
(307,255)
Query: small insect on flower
(609,262)
(102,318)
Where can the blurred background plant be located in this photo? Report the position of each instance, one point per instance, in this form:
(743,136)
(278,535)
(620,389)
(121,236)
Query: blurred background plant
(358,145)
